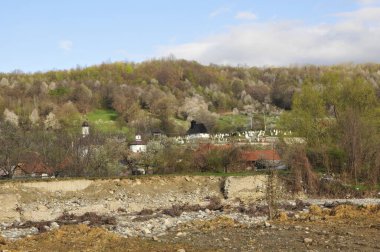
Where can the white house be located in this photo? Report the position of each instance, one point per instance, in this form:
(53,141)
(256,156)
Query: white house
(138,145)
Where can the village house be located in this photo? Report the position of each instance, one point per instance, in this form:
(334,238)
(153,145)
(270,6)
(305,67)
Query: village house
(157,134)
(262,159)
(138,145)
(32,166)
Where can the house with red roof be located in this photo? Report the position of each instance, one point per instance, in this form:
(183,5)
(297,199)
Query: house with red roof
(262,159)
(32,165)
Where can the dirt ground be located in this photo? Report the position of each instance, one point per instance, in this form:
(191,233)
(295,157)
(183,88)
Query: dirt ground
(342,228)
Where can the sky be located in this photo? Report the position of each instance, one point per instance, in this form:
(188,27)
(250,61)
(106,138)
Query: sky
(42,35)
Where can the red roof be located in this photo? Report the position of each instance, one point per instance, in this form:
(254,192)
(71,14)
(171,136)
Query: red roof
(31,162)
(260,155)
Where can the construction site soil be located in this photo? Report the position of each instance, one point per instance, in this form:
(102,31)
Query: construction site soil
(205,221)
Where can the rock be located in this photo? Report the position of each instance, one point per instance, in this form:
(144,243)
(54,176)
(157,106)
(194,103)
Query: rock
(17,233)
(267,224)
(146,231)
(155,238)
(180,234)
(226,239)
(181,250)
(245,188)
(207,211)
(307,240)
(168,223)
(54,225)
(42,208)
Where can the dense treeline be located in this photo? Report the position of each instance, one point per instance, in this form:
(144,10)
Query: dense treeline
(148,95)
(335,108)
(340,119)
(155,94)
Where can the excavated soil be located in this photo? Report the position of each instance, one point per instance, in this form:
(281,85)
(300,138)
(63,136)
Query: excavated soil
(341,228)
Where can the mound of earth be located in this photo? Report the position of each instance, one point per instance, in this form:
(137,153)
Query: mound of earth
(83,238)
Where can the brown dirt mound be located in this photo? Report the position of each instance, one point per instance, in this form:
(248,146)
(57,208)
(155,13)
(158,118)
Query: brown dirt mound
(84,238)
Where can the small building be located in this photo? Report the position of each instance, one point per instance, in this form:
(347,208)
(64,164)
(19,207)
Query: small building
(197,131)
(157,134)
(262,159)
(138,145)
(32,165)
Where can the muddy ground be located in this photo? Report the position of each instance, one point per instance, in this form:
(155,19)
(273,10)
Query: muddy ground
(340,228)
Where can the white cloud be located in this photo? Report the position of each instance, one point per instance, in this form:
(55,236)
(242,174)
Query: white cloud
(65,45)
(355,37)
(368,2)
(370,14)
(246,15)
(219,11)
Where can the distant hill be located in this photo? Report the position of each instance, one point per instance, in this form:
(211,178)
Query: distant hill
(163,94)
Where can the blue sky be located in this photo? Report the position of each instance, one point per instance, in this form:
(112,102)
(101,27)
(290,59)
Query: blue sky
(40,35)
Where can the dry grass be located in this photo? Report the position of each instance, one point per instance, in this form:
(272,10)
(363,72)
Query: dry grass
(85,238)
(217,223)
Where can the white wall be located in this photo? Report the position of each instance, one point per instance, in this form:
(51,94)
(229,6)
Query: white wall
(138,148)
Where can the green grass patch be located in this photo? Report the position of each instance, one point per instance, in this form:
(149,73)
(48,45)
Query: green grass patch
(102,115)
(105,120)
(232,123)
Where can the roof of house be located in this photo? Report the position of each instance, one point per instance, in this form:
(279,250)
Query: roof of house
(31,162)
(260,155)
(196,128)
(157,131)
(138,141)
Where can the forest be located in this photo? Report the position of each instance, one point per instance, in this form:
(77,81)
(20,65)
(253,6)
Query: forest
(336,109)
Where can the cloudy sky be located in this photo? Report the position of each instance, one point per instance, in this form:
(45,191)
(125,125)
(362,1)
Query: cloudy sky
(40,35)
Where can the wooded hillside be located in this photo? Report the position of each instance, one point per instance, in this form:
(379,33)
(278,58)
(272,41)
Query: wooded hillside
(335,108)
(159,94)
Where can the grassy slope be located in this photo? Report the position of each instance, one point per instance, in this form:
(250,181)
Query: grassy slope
(105,120)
